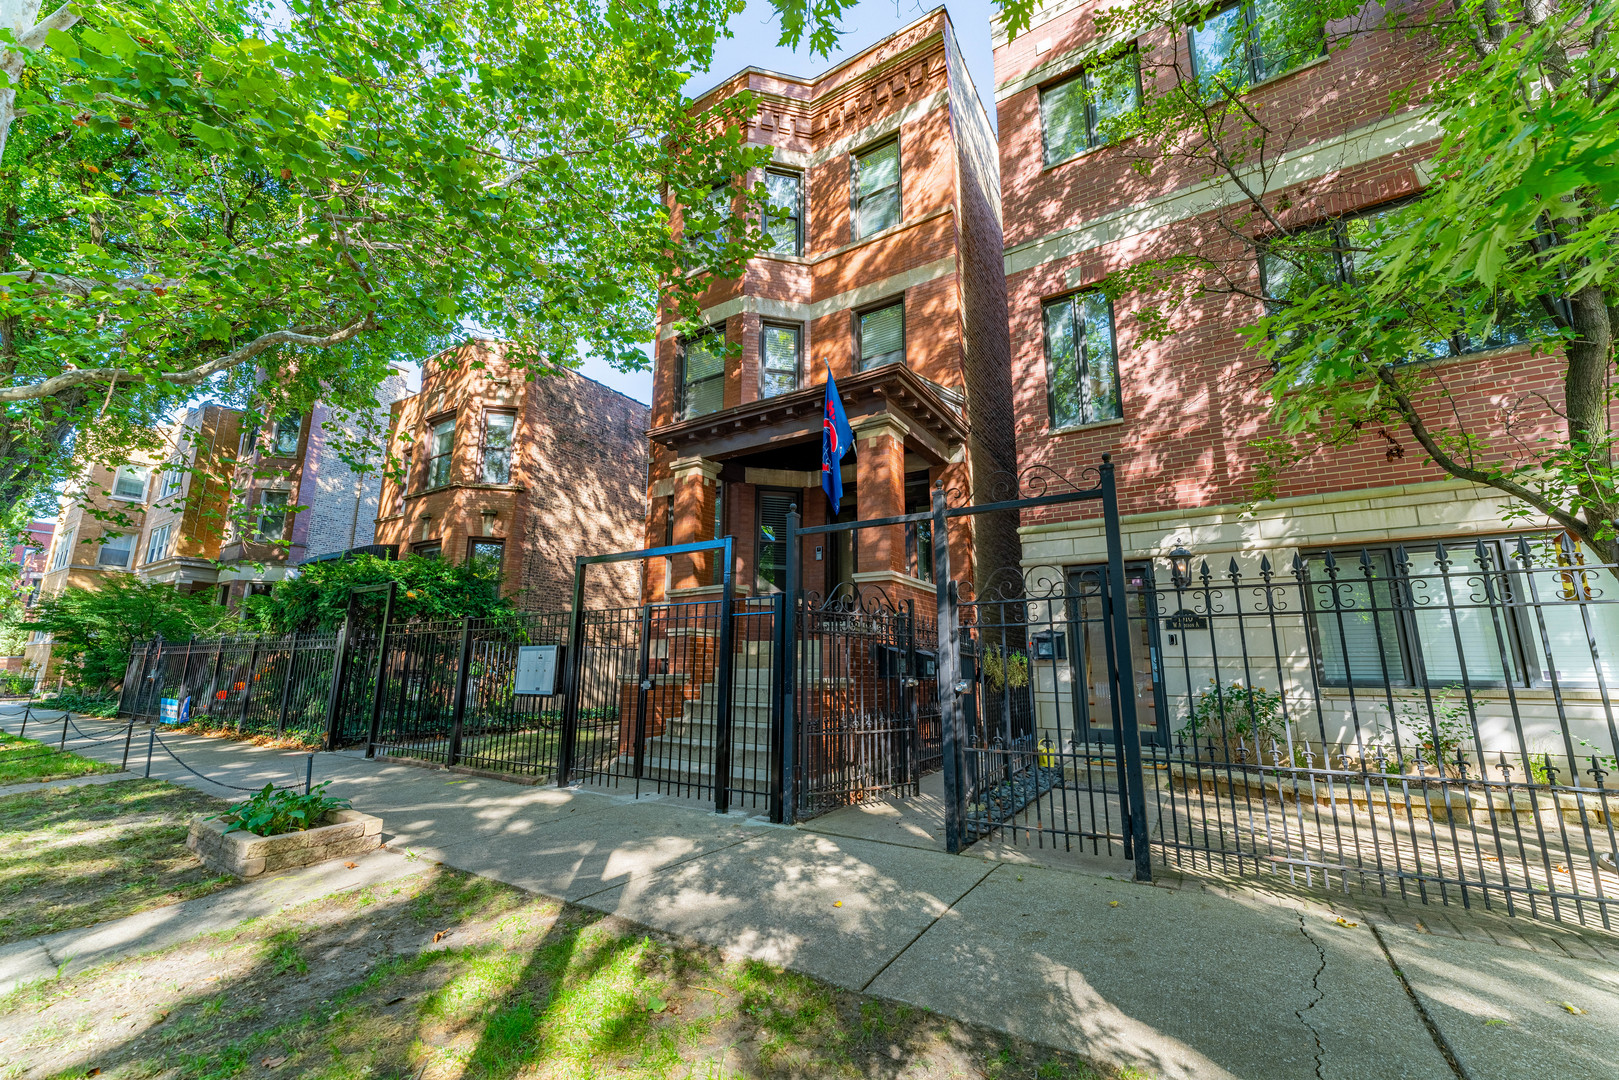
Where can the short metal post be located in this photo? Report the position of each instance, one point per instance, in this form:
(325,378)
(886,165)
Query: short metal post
(151,742)
(128,735)
(458,710)
(27,710)
(948,672)
(61,747)
(309,772)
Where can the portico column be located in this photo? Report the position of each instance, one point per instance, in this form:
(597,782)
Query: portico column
(695,487)
(880,476)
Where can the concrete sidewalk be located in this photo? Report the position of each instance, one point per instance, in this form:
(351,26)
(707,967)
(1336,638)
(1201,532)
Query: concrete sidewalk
(1189,978)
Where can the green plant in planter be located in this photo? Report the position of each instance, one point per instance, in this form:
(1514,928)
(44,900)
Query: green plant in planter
(1234,711)
(270,812)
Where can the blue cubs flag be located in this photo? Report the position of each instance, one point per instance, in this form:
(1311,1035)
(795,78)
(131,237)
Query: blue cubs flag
(836,440)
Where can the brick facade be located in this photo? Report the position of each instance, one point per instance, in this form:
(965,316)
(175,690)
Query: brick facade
(943,413)
(575,485)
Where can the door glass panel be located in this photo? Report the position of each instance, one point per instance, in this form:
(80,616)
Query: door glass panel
(772,547)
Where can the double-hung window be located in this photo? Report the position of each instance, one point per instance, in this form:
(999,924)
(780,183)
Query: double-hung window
(702,374)
(1246,43)
(881,333)
(286,435)
(440,452)
(64,550)
(1082,365)
(778,359)
(876,189)
(711,221)
(115,550)
(784,212)
(1345,250)
(1082,111)
(157,544)
(497,447)
(1461,620)
(129,482)
(272,516)
(173,478)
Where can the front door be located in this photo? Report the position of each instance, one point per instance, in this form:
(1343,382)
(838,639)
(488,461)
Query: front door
(1092,689)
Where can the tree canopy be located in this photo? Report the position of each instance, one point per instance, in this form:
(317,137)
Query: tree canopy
(317,599)
(195,199)
(93,630)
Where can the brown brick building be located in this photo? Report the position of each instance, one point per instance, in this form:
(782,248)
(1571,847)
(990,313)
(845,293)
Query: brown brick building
(884,270)
(524,473)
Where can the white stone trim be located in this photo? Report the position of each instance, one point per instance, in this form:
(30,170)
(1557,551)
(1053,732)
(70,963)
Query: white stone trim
(788,311)
(891,577)
(1356,147)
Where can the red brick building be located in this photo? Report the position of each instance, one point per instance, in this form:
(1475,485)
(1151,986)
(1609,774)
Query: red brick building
(884,271)
(524,474)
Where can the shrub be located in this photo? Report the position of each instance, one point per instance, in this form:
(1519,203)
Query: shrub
(1236,712)
(270,812)
(94,630)
(87,703)
(318,598)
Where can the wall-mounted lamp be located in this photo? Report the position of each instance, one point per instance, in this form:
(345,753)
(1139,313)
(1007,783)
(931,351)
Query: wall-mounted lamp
(1180,567)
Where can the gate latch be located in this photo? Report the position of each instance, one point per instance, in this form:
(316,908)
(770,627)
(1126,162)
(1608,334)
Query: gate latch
(646,684)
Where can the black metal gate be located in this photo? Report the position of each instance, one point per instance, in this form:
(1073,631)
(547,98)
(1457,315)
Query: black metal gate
(676,698)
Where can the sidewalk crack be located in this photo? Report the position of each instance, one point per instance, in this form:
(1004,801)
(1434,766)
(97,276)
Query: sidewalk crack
(1315,984)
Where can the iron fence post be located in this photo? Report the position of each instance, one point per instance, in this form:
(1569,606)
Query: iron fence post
(576,648)
(340,668)
(778,718)
(247,682)
(286,685)
(787,673)
(374,729)
(722,694)
(151,743)
(643,686)
(947,674)
(458,707)
(1124,674)
(909,696)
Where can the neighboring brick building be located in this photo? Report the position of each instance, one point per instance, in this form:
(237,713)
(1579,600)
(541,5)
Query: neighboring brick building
(1181,415)
(527,473)
(189,501)
(294,462)
(884,270)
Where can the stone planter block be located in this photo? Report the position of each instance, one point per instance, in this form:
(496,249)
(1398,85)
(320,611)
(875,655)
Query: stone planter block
(347,833)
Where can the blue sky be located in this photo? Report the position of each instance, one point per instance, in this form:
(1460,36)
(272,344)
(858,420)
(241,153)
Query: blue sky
(753,44)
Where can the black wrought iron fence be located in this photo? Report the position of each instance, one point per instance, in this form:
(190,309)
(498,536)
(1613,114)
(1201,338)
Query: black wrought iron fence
(258,685)
(1430,721)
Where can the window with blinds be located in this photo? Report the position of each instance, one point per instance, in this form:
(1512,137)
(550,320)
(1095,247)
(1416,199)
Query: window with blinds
(771,551)
(778,359)
(129,482)
(784,225)
(116,550)
(702,375)
(1082,369)
(876,189)
(1082,111)
(882,336)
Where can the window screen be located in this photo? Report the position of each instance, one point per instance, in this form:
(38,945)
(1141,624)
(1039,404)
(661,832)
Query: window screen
(882,336)
(778,360)
(876,190)
(702,376)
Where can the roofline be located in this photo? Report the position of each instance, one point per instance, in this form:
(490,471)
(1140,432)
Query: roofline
(469,339)
(807,80)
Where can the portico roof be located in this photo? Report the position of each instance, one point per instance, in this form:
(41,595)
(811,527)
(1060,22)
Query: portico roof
(933,427)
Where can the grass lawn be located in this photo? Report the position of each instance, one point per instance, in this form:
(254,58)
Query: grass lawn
(23,761)
(446,975)
(75,856)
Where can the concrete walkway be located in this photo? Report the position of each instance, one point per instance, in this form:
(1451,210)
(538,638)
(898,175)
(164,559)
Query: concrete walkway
(1187,978)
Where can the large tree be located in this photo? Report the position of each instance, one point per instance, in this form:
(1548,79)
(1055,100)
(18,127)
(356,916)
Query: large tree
(197,199)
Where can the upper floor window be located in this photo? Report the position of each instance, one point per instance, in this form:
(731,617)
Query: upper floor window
(497,447)
(286,435)
(1082,368)
(714,212)
(272,515)
(115,550)
(784,224)
(1249,42)
(1077,113)
(173,477)
(876,189)
(778,359)
(882,335)
(440,452)
(702,374)
(157,544)
(1345,250)
(129,482)
(64,551)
